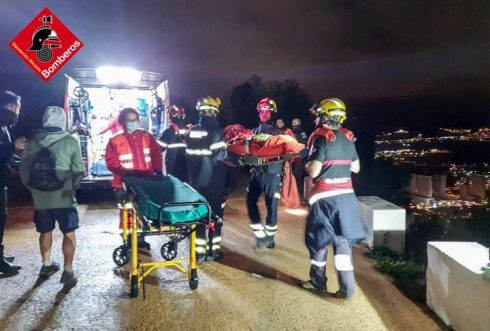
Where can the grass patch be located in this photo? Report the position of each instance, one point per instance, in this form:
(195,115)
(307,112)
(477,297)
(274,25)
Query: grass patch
(409,277)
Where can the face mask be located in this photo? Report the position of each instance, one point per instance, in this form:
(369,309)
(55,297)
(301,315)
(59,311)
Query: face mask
(264,116)
(131,126)
(296,127)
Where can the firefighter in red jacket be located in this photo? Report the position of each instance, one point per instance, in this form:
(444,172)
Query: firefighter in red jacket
(333,217)
(132,151)
(173,143)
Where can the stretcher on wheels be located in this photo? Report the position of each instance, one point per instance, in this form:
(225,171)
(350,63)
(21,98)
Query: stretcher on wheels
(160,206)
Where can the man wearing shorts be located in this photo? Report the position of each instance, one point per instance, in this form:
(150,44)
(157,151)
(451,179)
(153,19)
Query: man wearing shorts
(55,205)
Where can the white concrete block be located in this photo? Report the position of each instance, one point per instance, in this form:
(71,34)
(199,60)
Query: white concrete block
(386,222)
(456,290)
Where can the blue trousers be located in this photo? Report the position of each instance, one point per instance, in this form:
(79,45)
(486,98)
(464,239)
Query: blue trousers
(333,220)
(270,185)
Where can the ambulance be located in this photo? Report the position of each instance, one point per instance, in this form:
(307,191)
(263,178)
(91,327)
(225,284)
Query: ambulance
(93,99)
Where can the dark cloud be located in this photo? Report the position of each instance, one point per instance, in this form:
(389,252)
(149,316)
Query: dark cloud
(352,48)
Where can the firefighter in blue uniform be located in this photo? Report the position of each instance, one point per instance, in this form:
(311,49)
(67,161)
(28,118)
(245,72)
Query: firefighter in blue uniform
(173,143)
(333,217)
(206,154)
(265,179)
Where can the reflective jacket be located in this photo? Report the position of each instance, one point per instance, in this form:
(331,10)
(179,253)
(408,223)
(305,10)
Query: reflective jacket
(336,151)
(173,141)
(206,151)
(127,152)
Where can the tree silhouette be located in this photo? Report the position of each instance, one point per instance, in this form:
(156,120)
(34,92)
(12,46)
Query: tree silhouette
(292,101)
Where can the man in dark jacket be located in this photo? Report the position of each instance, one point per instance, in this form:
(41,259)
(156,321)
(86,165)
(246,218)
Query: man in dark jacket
(299,164)
(265,179)
(206,157)
(173,143)
(298,131)
(9,112)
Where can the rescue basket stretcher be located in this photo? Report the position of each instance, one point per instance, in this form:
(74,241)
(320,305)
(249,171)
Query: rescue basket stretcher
(263,160)
(261,149)
(156,206)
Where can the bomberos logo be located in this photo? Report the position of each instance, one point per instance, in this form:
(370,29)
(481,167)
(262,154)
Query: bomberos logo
(46,44)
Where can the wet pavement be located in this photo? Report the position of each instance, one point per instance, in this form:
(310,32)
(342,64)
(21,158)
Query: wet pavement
(247,290)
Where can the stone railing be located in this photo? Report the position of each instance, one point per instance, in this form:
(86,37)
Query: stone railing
(456,289)
(386,222)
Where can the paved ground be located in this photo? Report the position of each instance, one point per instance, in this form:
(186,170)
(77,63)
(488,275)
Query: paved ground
(247,290)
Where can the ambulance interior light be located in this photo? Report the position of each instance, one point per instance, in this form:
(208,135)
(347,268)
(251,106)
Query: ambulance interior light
(111,75)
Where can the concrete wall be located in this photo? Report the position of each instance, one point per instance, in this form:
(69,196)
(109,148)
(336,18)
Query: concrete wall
(439,184)
(456,290)
(478,186)
(423,186)
(386,222)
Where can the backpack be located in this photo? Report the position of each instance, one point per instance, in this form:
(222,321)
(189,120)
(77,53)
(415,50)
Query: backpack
(42,171)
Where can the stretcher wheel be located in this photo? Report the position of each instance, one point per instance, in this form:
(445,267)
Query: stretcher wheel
(134,287)
(169,250)
(194,280)
(121,255)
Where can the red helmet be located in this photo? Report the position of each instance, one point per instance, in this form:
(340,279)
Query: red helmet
(267,104)
(176,112)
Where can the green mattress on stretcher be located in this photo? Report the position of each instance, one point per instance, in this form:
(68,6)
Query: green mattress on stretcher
(152,193)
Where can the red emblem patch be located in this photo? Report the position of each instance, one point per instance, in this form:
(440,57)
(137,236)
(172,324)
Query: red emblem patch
(46,44)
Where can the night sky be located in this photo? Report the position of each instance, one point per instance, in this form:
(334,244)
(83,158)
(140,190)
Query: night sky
(355,50)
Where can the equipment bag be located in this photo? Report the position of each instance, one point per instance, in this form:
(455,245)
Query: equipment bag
(42,171)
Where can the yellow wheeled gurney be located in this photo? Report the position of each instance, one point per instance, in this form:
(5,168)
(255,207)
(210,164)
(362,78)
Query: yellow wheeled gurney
(155,206)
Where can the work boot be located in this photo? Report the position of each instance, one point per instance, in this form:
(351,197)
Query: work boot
(262,243)
(47,271)
(216,255)
(144,244)
(7,267)
(9,258)
(344,296)
(271,244)
(200,258)
(308,285)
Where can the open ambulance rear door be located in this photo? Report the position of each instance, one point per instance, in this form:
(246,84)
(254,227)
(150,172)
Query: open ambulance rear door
(93,100)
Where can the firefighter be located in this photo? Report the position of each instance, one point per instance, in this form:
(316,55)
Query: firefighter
(265,179)
(173,142)
(206,156)
(132,152)
(333,217)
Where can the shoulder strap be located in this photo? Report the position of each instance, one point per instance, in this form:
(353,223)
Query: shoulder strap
(321,132)
(174,127)
(348,134)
